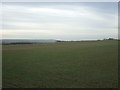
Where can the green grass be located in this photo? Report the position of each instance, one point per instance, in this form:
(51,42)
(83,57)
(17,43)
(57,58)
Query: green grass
(88,64)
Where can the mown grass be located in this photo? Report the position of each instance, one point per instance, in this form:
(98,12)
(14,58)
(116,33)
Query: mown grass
(90,64)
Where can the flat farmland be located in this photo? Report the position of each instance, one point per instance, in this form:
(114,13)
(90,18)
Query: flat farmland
(85,64)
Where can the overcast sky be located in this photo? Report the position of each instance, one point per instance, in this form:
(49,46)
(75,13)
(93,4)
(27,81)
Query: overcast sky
(65,21)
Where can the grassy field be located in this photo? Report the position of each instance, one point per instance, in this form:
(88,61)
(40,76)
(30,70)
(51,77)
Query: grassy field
(88,64)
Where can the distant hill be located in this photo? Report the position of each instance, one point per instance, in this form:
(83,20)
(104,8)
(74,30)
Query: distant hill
(25,41)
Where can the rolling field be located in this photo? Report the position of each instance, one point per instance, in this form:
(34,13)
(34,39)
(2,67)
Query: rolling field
(88,64)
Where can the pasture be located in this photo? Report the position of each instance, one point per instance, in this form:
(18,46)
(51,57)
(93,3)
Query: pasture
(85,64)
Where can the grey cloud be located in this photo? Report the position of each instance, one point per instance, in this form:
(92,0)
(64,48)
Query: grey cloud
(69,18)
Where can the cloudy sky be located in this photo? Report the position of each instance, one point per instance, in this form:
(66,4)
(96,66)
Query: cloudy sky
(65,21)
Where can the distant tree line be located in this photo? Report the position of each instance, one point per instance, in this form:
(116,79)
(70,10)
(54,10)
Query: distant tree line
(17,43)
(110,39)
